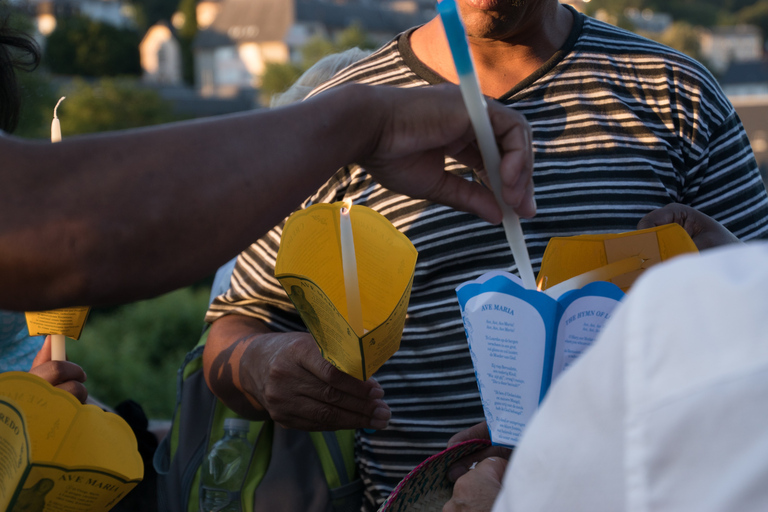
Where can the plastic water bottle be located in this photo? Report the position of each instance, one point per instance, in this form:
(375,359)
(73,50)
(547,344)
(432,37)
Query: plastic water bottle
(225,467)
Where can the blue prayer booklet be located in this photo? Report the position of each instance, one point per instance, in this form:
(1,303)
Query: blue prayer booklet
(520,340)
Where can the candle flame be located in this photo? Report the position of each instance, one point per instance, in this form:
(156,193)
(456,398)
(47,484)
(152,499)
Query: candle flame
(346,206)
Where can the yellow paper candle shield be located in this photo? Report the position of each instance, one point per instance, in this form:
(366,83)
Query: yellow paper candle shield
(309,267)
(60,453)
(66,321)
(623,256)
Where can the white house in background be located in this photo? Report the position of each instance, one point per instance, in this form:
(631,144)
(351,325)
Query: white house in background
(160,54)
(722,45)
(243,35)
(239,37)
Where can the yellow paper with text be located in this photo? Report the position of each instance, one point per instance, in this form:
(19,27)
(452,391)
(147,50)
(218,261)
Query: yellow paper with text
(566,257)
(310,270)
(66,321)
(79,457)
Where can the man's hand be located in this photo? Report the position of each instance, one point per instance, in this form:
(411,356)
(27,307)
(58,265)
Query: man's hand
(477,489)
(705,231)
(462,466)
(61,374)
(284,375)
(419,127)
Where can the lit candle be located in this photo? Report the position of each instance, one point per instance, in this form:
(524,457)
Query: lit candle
(603,273)
(349,267)
(55,125)
(58,341)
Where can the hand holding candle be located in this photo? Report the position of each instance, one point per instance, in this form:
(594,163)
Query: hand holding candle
(478,114)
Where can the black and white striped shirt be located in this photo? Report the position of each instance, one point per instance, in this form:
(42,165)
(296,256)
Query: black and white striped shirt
(621,126)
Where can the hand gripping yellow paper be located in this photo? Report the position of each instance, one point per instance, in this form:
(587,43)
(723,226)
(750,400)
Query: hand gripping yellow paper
(622,256)
(58,455)
(309,267)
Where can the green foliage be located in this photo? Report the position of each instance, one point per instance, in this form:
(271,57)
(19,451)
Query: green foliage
(354,36)
(134,351)
(278,77)
(756,14)
(111,104)
(149,12)
(694,12)
(81,46)
(680,36)
(315,49)
(37,101)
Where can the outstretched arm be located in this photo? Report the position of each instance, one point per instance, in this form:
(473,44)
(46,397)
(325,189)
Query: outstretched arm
(121,216)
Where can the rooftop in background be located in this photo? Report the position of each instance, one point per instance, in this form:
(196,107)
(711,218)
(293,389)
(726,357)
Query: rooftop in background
(240,21)
(747,72)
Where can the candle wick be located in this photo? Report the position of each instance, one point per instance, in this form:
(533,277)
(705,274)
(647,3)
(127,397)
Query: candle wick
(57,106)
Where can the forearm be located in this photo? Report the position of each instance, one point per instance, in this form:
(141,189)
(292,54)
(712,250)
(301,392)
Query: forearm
(227,341)
(122,216)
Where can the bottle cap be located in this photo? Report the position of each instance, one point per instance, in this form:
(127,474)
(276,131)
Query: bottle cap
(237,424)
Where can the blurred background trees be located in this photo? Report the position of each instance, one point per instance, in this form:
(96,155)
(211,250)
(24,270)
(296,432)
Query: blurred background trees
(280,76)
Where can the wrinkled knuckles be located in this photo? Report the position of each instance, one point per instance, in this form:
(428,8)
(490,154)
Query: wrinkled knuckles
(326,417)
(331,396)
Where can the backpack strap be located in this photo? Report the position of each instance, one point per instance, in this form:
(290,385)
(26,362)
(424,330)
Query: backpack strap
(181,452)
(289,470)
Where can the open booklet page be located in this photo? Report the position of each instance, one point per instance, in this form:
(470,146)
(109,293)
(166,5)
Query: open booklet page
(521,339)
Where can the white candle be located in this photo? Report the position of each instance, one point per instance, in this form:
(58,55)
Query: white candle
(486,140)
(349,267)
(55,125)
(58,341)
(58,347)
(603,273)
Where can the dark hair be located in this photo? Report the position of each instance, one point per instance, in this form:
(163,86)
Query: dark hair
(17,50)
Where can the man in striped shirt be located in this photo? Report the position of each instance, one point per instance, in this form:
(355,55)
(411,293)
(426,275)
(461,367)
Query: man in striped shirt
(621,126)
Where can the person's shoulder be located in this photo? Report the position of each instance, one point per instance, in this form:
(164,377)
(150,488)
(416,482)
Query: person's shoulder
(373,69)
(603,38)
(601,44)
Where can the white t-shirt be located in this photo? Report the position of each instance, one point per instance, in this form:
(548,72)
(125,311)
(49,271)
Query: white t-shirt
(668,411)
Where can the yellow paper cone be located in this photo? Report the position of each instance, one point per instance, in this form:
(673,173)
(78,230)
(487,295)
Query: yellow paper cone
(72,456)
(309,267)
(567,257)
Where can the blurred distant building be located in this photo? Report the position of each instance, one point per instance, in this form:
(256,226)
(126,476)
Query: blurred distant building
(160,54)
(753,111)
(236,38)
(746,85)
(720,46)
(749,78)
